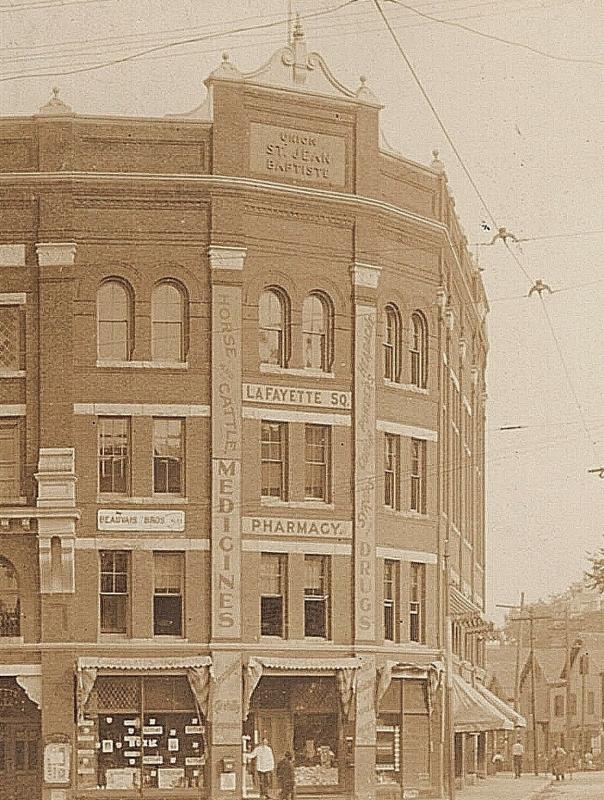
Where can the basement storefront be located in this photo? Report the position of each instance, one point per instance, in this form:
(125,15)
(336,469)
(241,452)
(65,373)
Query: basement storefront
(303,707)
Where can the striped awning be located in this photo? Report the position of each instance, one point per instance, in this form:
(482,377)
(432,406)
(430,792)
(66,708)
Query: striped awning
(517,719)
(473,713)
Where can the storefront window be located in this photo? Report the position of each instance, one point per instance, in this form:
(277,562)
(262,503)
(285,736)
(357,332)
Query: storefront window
(300,714)
(148,734)
(403,735)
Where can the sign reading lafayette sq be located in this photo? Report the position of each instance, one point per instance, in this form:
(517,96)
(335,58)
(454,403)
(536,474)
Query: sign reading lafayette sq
(297,527)
(137,520)
(293,153)
(289,395)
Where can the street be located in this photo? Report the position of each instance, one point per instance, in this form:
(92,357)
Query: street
(582,786)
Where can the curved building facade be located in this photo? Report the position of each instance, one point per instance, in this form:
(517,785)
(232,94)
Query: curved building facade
(242,357)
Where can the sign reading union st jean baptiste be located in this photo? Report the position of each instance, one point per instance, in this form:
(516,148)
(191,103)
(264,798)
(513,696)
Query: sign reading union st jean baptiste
(303,155)
(113,520)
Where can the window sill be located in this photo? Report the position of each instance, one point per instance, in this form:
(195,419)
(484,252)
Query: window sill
(13,501)
(154,500)
(143,364)
(12,373)
(406,514)
(405,387)
(274,369)
(11,641)
(270,502)
(167,637)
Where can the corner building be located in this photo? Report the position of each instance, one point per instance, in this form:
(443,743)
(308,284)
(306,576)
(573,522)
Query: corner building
(242,357)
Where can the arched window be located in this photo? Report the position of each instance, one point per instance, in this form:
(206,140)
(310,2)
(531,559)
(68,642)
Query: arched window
(317,332)
(114,321)
(168,315)
(392,344)
(10,624)
(419,350)
(273,318)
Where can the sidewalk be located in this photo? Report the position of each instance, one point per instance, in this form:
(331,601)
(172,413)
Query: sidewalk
(504,787)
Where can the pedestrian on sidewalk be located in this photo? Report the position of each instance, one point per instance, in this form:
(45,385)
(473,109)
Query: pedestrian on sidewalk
(517,754)
(265,764)
(559,763)
(286,776)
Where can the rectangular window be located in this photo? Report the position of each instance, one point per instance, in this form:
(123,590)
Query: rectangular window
(274,459)
(168,456)
(417,601)
(317,462)
(10,344)
(316,596)
(167,594)
(559,705)
(273,581)
(591,703)
(10,459)
(390,590)
(115,590)
(392,471)
(418,476)
(114,455)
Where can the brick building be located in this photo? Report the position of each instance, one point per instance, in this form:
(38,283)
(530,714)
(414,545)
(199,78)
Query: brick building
(242,359)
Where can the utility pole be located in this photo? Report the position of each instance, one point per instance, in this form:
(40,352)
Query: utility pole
(518,649)
(567,716)
(450,727)
(531,619)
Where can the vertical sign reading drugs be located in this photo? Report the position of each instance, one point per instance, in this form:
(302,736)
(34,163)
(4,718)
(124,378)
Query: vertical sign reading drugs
(364,277)
(226,442)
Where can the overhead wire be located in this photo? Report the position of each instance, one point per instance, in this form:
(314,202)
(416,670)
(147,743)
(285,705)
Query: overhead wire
(509,42)
(179,43)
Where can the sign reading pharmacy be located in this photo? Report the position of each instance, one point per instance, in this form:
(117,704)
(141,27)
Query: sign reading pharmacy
(336,528)
(292,153)
(138,520)
(293,396)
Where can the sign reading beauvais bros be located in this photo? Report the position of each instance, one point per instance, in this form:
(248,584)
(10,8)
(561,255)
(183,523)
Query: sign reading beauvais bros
(299,154)
(138,520)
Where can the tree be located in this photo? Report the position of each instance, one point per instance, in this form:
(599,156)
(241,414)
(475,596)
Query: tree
(595,576)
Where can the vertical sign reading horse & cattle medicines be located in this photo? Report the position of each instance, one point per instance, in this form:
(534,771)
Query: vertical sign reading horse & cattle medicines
(364,475)
(226,444)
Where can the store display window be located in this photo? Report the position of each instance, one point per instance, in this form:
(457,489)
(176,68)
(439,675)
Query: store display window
(404,735)
(301,714)
(147,733)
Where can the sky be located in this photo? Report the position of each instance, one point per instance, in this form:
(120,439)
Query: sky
(529,128)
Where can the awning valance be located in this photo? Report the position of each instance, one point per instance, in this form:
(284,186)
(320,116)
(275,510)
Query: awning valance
(401,669)
(198,670)
(144,664)
(517,720)
(473,713)
(345,670)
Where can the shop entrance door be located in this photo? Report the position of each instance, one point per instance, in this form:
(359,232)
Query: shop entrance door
(20,760)
(278,728)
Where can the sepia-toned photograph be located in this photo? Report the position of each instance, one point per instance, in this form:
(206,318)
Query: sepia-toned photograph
(301,383)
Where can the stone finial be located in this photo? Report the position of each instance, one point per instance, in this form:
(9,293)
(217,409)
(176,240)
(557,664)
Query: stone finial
(298,29)
(436,164)
(364,93)
(227,70)
(55,105)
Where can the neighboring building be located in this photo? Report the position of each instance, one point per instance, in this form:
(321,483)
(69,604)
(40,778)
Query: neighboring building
(586,694)
(242,357)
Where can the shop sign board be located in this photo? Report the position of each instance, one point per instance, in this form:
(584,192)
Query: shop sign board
(296,396)
(283,526)
(297,154)
(57,762)
(365,483)
(226,461)
(140,520)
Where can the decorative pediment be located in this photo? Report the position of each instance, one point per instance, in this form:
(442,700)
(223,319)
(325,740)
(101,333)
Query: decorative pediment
(291,68)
